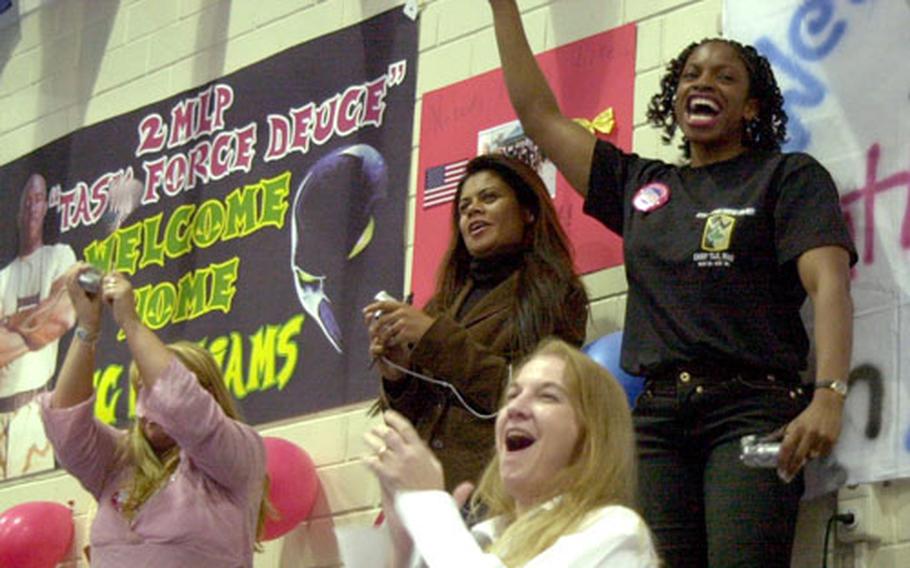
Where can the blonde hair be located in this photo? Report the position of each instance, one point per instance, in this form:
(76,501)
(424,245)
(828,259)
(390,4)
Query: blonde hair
(149,470)
(602,472)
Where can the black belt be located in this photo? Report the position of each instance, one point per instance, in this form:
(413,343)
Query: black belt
(720,372)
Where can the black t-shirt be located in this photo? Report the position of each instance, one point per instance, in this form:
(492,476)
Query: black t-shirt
(712,272)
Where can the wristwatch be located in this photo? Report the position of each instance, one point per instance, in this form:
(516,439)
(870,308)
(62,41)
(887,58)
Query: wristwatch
(840,387)
(86,336)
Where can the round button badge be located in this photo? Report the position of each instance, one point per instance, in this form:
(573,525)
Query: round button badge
(651,197)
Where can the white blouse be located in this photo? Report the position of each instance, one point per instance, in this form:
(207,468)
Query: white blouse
(613,536)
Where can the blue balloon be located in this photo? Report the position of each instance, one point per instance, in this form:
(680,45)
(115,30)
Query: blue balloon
(606,351)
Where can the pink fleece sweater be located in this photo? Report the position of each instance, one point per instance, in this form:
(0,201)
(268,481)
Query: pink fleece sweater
(204,516)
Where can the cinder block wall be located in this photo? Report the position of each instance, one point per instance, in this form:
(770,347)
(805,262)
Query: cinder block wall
(67,64)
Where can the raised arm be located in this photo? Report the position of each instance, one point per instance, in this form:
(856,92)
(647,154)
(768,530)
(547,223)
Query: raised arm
(403,463)
(74,383)
(84,446)
(228,451)
(149,353)
(566,143)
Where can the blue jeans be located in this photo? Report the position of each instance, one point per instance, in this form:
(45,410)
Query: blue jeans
(704,506)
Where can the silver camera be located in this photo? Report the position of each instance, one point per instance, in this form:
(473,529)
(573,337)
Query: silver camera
(382,296)
(90,280)
(759,451)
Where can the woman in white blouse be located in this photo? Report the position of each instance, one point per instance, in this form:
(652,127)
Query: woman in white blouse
(558,492)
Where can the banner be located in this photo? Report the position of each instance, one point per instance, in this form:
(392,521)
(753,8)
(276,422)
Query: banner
(255,215)
(843,73)
(593,81)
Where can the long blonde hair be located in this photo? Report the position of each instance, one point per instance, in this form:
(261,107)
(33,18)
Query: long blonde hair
(149,470)
(603,471)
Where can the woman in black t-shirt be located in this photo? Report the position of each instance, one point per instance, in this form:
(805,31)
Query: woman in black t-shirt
(720,255)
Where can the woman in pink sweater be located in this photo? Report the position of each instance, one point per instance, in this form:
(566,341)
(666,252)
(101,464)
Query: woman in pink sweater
(184,485)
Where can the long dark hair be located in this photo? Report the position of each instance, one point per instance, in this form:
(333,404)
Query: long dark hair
(550,293)
(767,131)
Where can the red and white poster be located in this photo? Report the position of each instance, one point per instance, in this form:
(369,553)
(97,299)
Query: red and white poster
(593,80)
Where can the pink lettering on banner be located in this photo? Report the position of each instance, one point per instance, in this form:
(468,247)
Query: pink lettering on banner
(230,151)
(279,137)
(182,122)
(867,195)
(349,111)
(325,120)
(65,203)
(245,148)
(205,122)
(342,114)
(199,159)
(224,98)
(302,119)
(200,115)
(84,204)
(217,152)
(374,106)
(154,176)
(175,174)
(152,134)
(286,136)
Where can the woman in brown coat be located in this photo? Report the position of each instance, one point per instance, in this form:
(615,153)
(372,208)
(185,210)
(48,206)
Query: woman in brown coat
(505,283)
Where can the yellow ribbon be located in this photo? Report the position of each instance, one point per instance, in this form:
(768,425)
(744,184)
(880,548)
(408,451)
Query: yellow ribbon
(603,122)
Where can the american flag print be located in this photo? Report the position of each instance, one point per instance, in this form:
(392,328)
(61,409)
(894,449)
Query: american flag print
(442,182)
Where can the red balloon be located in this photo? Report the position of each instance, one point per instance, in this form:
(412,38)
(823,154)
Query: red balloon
(37,534)
(293,485)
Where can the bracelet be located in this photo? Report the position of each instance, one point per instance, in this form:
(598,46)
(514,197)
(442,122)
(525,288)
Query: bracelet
(86,336)
(838,386)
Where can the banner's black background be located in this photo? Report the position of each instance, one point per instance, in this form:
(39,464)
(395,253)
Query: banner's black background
(312,72)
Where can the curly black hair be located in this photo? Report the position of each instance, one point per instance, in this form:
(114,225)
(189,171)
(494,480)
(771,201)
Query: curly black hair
(767,131)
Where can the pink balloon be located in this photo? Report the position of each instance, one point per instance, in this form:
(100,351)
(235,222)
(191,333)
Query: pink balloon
(293,485)
(37,534)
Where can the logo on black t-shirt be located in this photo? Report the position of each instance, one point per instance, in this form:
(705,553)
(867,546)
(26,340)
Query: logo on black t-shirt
(717,236)
(718,233)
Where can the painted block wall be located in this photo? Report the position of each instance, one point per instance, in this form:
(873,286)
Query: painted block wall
(66,64)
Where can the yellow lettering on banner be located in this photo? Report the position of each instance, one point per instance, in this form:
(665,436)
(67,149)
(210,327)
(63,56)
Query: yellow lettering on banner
(107,392)
(208,289)
(152,249)
(262,358)
(223,277)
(271,358)
(287,348)
(240,214)
(271,354)
(128,249)
(275,200)
(233,367)
(241,207)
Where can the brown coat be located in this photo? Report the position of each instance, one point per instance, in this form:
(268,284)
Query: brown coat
(472,354)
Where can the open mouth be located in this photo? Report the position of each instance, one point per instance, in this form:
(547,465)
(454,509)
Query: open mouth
(517,441)
(477,226)
(702,109)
